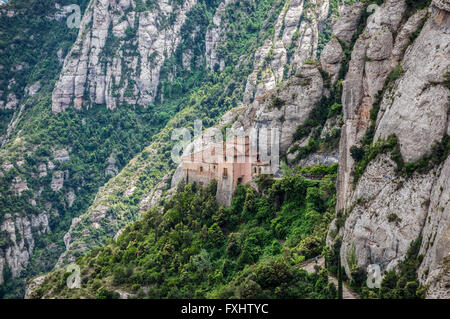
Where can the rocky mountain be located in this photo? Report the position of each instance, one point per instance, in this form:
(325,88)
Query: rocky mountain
(86,146)
(389,196)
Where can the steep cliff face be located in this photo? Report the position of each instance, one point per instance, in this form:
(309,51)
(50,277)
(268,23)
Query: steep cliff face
(295,40)
(141,39)
(396,85)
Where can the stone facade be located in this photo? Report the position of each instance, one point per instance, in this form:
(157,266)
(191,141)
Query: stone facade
(229,163)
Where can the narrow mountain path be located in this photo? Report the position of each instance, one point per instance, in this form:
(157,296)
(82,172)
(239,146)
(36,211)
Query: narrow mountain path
(346,291)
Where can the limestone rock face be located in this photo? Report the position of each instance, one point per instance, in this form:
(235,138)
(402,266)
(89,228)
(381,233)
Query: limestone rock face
(153,198)
(418,113)
(294,42)
(379,194)
(331,58)
(298,96)
(348,21)
(442,4)
(384,212)
(111,169)
(19,185)
(57,181)
(61,155)
(365,78)
(33,284)
(90,76)
(435,268)
(213,36)
(33,88)
(20,232)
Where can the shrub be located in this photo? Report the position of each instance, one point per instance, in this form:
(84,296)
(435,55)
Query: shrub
(357,153)
(277,102)
(396,73)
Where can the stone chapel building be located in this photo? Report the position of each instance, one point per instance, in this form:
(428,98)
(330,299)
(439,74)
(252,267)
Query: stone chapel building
(229,163)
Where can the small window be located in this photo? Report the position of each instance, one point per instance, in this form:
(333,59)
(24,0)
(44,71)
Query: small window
(255,170)
(260,170)
(225,172)
(201,169)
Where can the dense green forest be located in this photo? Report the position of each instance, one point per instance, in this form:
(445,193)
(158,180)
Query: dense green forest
(189,247)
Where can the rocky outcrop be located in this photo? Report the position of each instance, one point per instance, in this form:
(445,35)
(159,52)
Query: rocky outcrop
(369,68)
(19,185)
(331,58)
(61,155)
(385,212)
(296,99)
(214,36)
(111,169)
(19,233)
(348,22)
(418,114)
(295,41)
(34,284)
(57,181)
(435,268)
(141,42)
(442,4)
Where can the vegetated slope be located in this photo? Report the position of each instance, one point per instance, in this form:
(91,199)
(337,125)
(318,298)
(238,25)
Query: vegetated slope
(189,247)
(393,183)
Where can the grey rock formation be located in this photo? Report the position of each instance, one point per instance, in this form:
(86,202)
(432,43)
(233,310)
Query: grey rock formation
(89,77)
(33,88)
(153,198)
(442,4)
(435,268)
(42,168)
(20,231)
(214,36)
(348,22)
(417,112)
(386,212)
(298,96)
(61,155)
(272,63)
(331,58)
(111,169)
(57,181)
(19,185)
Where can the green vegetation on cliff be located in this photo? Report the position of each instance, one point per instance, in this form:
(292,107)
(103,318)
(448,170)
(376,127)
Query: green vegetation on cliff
(192,248)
